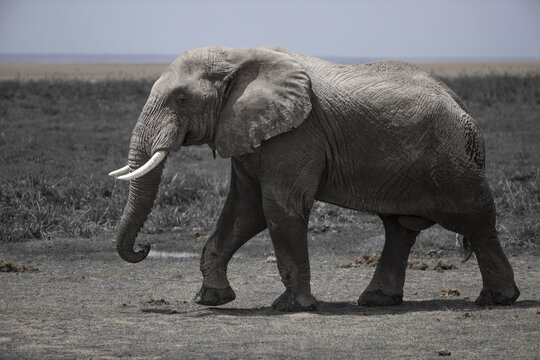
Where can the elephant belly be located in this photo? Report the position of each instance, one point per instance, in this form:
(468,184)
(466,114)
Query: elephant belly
(392,191)
(430,192)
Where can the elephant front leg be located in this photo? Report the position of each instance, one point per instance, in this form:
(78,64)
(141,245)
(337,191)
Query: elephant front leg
(386,286)
(241,219)
(289,238)
(215,289)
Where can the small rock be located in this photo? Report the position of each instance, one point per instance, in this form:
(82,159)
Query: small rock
(444,352)
(158,302)
(176,275)
(176,229)
(417,265)
(5,266)
(362,260)
(440,267)
(18,267)
(449,293)
(436,253)
(202,238)
(31,269)
(196,231)
(271,259)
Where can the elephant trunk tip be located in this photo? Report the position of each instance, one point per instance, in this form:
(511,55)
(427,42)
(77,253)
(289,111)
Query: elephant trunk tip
(133,256)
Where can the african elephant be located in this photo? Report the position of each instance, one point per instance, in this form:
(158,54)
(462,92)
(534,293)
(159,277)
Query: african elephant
(383,137)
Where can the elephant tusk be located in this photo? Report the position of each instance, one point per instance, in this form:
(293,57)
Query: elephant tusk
(146,168)
(121,171)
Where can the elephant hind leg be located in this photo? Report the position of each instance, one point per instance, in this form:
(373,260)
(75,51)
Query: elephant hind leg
(498,286)
(476,221)
(386,286)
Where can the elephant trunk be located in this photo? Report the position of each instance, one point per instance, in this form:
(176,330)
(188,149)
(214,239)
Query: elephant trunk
(156,132)
(142,193)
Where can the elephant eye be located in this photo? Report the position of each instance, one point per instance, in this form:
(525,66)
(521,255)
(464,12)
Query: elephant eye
(181,99)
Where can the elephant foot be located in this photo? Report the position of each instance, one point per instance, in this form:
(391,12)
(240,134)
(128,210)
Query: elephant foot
(212,296)
(290,302)
(490,297)
(378,298)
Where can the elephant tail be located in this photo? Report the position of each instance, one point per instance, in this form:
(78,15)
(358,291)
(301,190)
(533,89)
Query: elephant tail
(466,249)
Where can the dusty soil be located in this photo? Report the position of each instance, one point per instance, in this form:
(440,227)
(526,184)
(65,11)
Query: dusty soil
(85,302)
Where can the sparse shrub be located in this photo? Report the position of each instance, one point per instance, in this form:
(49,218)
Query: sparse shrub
(188,201)
(492,89)
(59,139)
(36,207)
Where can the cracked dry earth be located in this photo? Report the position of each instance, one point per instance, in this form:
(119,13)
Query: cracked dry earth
(86,303)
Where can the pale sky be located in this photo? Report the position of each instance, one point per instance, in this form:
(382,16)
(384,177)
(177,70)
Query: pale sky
(416,29)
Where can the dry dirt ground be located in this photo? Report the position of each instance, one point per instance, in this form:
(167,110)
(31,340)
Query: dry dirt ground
(85,302)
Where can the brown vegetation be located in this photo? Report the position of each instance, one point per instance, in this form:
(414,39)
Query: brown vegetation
(6,266)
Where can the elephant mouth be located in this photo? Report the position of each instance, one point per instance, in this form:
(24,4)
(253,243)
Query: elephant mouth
(125,173)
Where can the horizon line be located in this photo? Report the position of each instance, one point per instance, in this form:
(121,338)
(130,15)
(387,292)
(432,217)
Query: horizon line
(89,58)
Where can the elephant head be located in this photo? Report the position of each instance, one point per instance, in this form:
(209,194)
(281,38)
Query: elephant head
(230,99)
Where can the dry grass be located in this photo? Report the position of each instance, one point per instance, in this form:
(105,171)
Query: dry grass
(116,71)
(59,139)
(481,68)
(83,72)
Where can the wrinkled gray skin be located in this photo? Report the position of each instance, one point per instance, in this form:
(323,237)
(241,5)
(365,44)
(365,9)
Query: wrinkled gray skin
(383,137)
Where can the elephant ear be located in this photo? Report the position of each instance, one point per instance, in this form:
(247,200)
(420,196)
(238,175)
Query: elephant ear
(267,93)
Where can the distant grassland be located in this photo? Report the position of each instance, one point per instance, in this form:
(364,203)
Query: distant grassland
(60,138)
(100,72)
